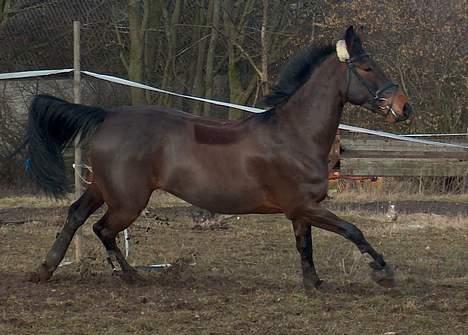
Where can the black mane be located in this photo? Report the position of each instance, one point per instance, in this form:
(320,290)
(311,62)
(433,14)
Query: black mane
(297,71)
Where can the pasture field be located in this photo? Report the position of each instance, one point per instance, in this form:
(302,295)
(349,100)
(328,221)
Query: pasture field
(240,276)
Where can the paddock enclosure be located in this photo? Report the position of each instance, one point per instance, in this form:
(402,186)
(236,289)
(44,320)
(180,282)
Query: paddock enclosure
(203,273)
(217,284)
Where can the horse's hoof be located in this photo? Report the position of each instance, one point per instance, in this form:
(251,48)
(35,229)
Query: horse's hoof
(41,275)
(384,277)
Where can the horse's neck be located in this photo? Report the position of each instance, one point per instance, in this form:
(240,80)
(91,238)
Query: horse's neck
(314,111)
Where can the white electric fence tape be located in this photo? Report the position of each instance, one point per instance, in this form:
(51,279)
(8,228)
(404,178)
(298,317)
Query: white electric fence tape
(154,89)
(398,137)
(121,81)
(436,135)
(30,74)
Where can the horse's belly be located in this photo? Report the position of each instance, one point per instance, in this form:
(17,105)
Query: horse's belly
(219,201)
(227,195)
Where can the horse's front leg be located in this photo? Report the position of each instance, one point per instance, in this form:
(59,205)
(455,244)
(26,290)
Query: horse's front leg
(322,218)
(303,234)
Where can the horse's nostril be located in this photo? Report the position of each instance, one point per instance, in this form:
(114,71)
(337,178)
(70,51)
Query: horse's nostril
(407,109)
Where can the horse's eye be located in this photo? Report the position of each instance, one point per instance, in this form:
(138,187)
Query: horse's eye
(367,69)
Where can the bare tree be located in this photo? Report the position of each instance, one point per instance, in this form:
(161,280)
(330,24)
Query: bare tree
(265,50)
(4,8)
(171,20)
(152,42)
(235,18)
(201,35)
(215,14)
(137,26)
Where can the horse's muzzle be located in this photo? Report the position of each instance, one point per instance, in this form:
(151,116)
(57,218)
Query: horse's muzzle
(407,111)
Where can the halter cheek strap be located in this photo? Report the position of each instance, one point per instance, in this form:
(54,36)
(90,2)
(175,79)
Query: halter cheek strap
(377,95)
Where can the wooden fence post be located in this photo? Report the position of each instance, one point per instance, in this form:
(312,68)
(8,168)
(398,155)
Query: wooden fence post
(77,99)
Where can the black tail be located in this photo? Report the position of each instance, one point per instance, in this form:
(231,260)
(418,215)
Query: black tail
(52,125)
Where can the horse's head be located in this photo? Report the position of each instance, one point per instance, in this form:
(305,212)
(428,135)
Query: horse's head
(367,85)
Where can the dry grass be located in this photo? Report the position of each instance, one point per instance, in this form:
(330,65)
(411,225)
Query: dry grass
(388,189)
(246,280)
(158,199)
(366,192)
(375,195)
(30,201)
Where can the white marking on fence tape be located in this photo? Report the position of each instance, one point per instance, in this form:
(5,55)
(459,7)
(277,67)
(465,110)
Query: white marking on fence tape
(121,81)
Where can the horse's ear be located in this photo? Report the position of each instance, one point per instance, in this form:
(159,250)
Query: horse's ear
(353,42)
(362,32)
(349,34)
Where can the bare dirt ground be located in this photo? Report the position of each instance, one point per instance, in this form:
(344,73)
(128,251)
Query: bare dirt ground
(239,277)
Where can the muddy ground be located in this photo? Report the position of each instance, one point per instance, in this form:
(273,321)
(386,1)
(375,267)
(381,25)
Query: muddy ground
(240,276)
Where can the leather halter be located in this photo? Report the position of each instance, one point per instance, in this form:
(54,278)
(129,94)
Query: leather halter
(377,95)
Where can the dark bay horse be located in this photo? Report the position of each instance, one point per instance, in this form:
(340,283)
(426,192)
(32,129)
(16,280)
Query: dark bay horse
(275,162)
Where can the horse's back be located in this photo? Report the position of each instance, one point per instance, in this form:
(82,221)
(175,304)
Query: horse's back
(200,160)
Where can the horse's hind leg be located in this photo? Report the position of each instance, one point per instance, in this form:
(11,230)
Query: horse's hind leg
(114,221)
(78,212)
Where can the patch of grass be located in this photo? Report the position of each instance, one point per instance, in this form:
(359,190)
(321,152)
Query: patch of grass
(30,201)
(368,194)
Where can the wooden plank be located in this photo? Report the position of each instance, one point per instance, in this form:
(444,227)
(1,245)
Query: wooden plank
(334,155)
(348,144)
(403,167)
(405,154)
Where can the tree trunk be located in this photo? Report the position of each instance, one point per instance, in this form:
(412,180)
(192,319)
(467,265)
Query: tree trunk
(137,28)
(154,12)
(198,89)
(171,33)
(4,8)
(265,44)
(234,29)
(215,15)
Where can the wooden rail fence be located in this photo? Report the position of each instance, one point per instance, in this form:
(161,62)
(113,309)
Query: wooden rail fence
(384,157)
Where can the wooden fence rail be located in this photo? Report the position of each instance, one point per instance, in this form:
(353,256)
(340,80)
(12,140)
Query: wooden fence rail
(383,157)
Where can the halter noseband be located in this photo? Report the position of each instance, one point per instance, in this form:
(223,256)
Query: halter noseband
(377,96)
